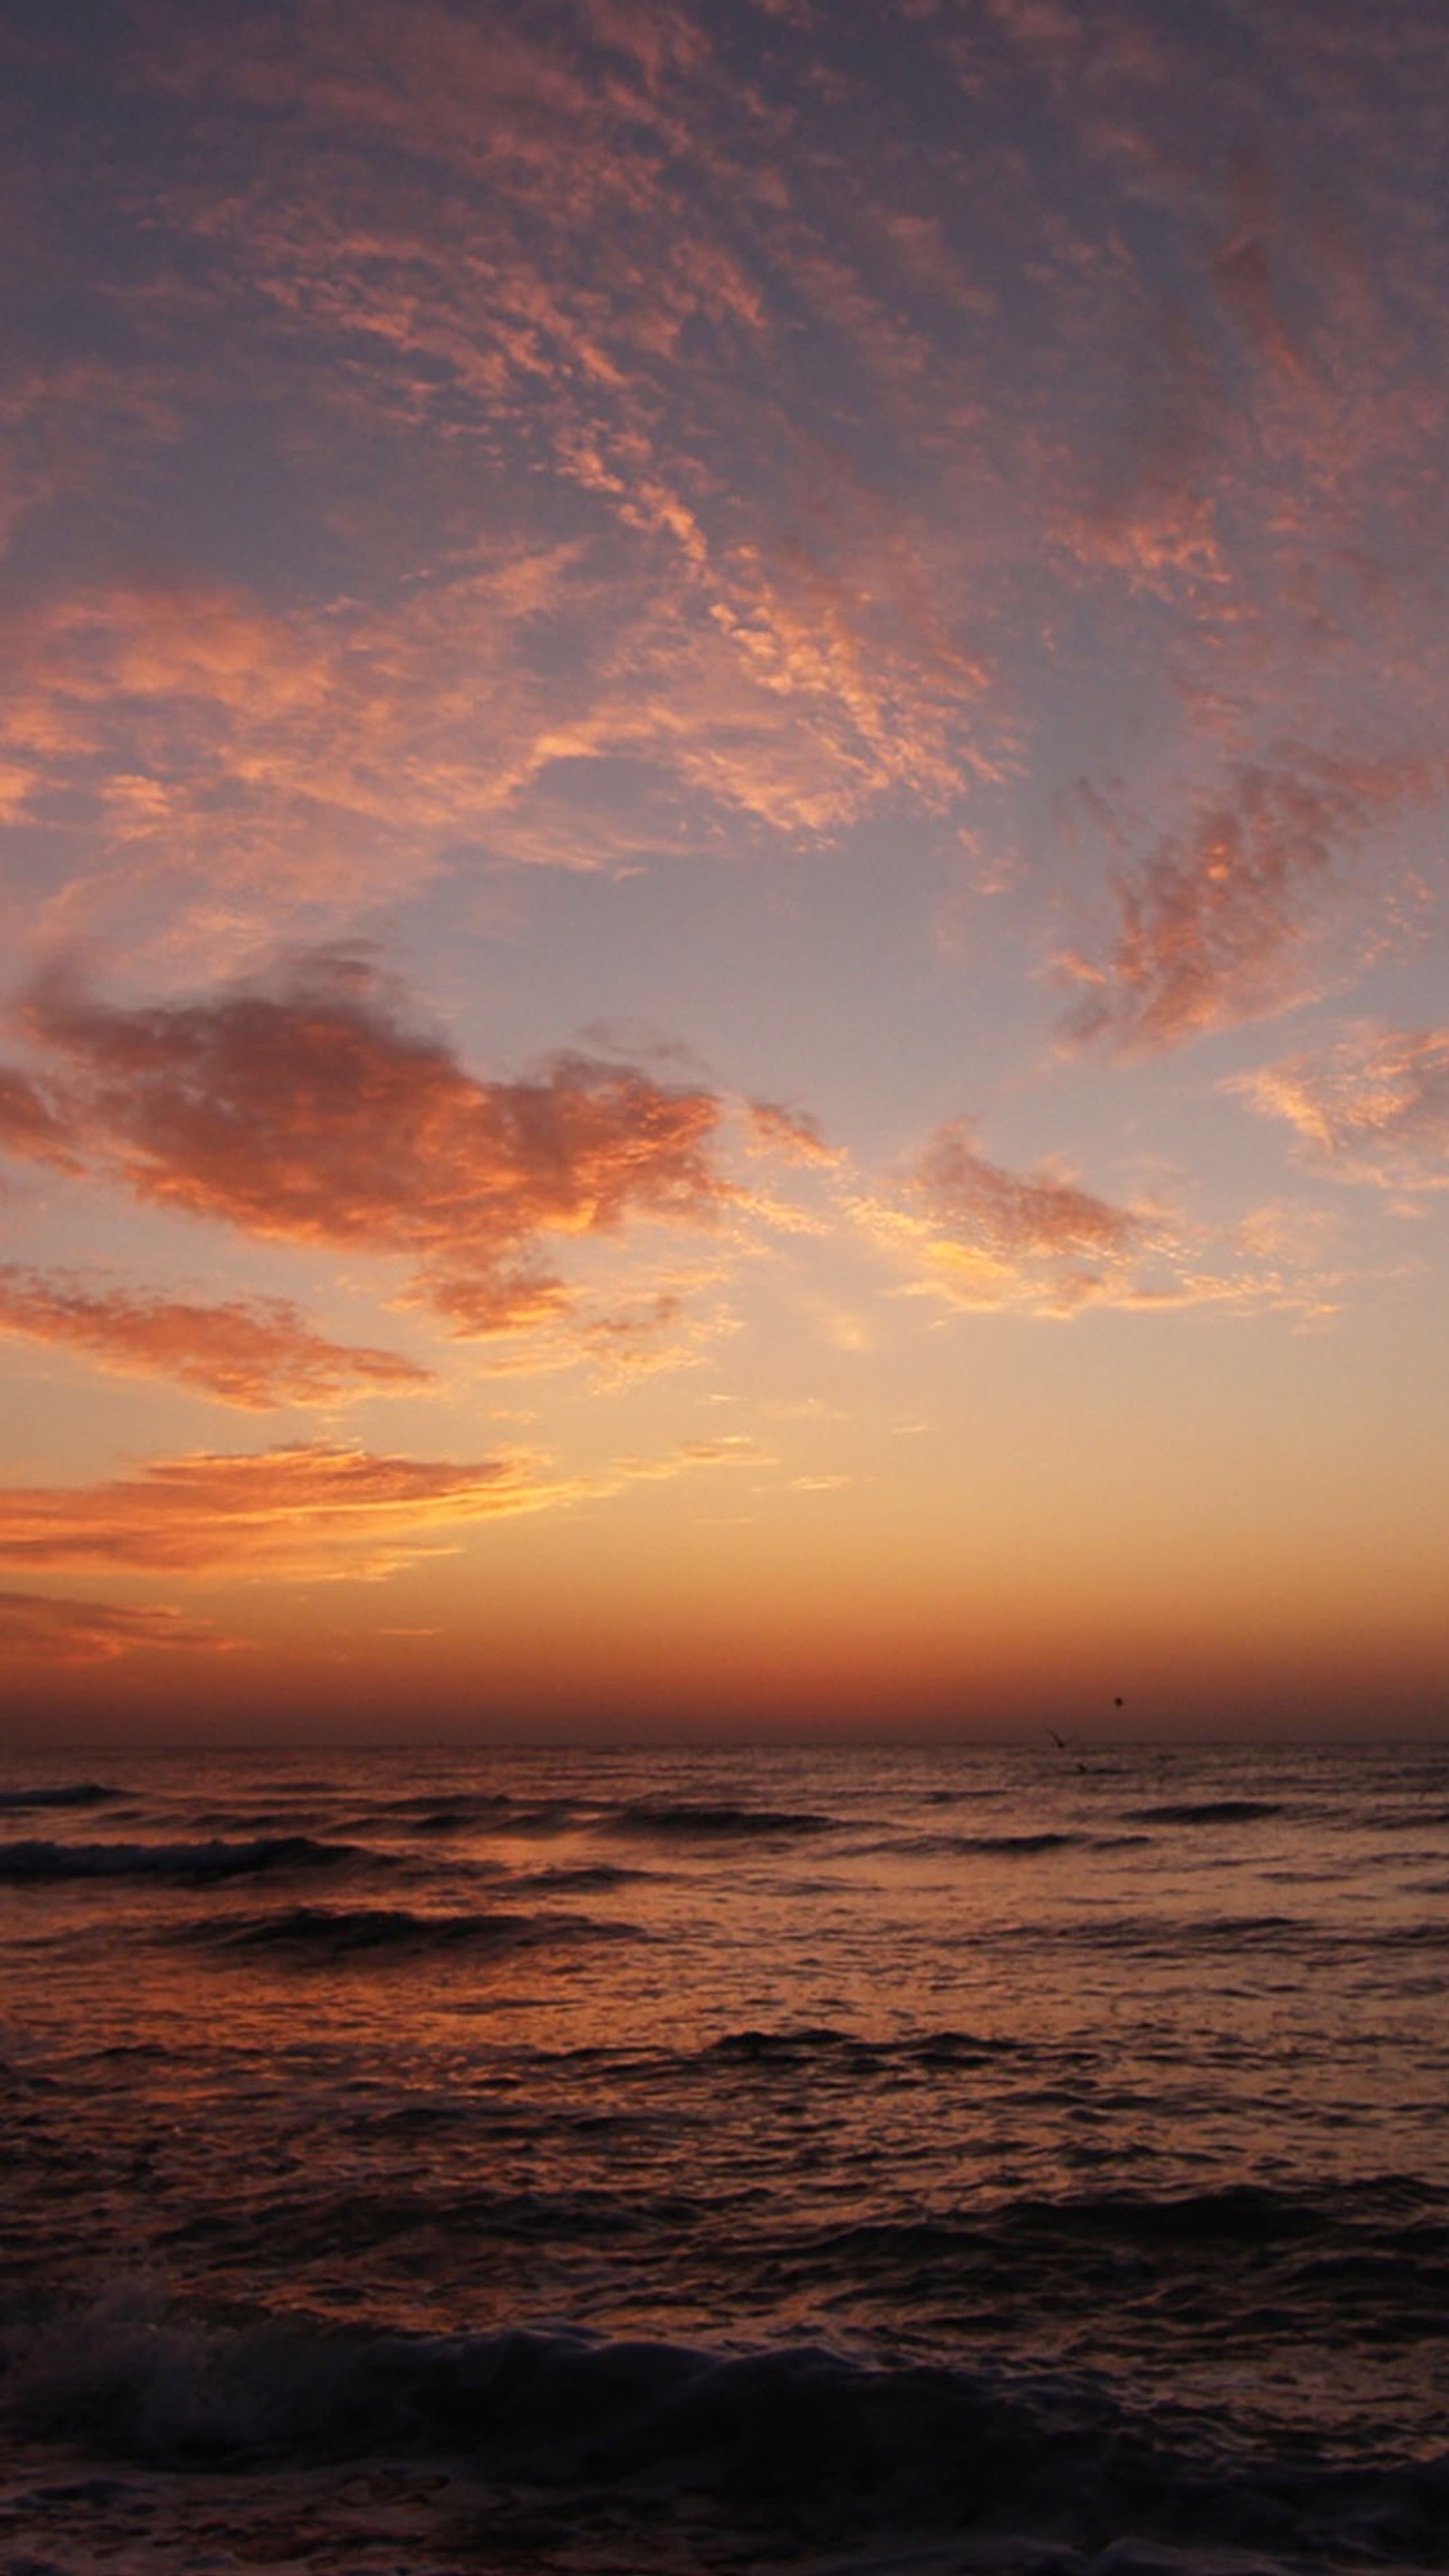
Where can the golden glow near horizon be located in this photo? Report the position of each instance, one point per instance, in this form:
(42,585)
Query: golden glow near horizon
(723,784)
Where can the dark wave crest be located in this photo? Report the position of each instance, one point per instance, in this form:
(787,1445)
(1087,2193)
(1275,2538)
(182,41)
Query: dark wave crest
(823,2048)
(328,1935)
(580,1878)
(73,1793)
(1019,1846)
(1208,1811)
(188,1864)
(697,1820)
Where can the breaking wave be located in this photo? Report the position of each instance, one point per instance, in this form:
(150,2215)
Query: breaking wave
(792,2436)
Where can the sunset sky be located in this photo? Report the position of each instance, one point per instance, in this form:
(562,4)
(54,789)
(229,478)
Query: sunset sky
(723,766)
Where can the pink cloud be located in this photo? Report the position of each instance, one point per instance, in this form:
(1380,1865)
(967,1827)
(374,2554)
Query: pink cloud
(312,1114)
(547,236)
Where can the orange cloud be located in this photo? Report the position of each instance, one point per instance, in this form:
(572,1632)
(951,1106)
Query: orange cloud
(313,1115)
(1373,1108)
(1212,926)
(255,1351)
(58,1631)
(306,1511)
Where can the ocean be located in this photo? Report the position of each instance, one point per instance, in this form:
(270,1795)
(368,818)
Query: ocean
(1028,2161)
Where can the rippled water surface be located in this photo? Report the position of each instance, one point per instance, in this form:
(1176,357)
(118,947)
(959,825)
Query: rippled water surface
(920,2157)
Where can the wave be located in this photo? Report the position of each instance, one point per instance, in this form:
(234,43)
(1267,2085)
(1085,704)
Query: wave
(798,2439)
(1271,2271)
(75,1793)
(1237,2213)
(1395,2214)
(1017,1846)
(1158,1935)
(820,2046)
(1207,1811)
(459,1811)
(189,1864)
(581,1878)
(446,1812)
(328,1934)
(690,1820)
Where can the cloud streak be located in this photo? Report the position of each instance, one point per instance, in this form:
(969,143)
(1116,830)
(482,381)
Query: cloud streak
(255,1352)
(56,1631)
(302,1512)
(306,1512)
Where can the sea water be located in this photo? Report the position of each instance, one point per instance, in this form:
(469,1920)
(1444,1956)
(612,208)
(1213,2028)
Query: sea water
(913,2159)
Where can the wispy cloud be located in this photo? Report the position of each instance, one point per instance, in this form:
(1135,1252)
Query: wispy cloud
(29,1126)
(792,1133)
(255,1352)
(1033,1218)
(64,421)
(565,260)
(1213,926)
(1374,1107)
(792,423)
(312,1113)
(315,749)
(985,1238)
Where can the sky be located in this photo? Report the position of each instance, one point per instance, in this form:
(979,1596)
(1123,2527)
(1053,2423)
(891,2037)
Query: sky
(722,770)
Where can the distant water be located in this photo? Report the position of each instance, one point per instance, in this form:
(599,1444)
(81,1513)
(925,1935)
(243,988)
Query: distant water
(1030,2162)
